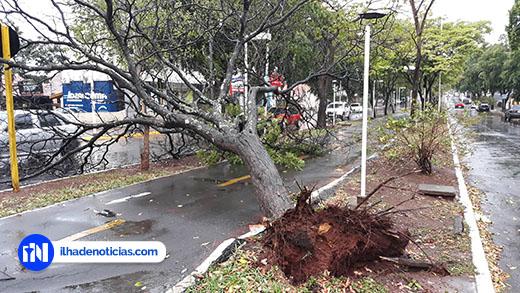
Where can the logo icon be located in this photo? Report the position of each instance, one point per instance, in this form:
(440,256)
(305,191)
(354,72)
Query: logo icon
(35,252)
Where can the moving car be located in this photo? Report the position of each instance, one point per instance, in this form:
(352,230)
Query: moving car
(341,109)
(37,132)
(287,116)
(513,113)
(483,107)
(459,106)
(356,108)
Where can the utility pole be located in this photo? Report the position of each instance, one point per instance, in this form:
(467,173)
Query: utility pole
(9,105)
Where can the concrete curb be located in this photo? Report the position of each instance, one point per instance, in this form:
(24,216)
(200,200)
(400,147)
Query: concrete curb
(483,278)
(219,255)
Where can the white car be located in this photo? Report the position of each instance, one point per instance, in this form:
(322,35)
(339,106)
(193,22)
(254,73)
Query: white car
(37,132)
(356,108)
(341,109)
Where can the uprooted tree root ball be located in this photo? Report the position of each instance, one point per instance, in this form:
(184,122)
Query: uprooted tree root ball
(305,242)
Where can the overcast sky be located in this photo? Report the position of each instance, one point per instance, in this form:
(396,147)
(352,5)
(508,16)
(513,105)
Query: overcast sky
(495,11)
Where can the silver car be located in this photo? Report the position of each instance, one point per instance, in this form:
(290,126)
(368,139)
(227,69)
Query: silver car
(37,132)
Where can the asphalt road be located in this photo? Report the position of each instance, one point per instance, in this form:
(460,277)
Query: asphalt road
(188,212)
(495,169)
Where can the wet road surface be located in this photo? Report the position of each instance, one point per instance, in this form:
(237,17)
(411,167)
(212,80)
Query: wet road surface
(495,170)
(188,212)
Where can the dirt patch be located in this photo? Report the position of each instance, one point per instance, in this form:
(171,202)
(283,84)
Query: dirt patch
(305,242)
(430,221)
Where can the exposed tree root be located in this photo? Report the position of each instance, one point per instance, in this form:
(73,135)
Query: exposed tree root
(305,242)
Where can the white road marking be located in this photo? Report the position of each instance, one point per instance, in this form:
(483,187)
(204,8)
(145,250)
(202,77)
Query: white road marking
(124,199)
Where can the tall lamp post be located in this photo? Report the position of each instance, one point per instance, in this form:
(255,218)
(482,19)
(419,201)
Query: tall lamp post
(260,36)
(368,16)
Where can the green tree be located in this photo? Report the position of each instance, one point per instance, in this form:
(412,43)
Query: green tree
(513,28)
(447,48)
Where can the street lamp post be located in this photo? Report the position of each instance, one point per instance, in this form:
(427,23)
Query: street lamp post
(364,136)
(260,36)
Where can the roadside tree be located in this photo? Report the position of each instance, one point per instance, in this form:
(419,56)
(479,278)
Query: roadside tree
(141,45)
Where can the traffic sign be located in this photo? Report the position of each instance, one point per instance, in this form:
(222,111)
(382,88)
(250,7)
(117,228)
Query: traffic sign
(14,43)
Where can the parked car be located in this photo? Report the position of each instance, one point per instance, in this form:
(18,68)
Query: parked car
(356,108)
(459,106)
(513,113)
(37,132)
(483,107)
(287,116)
(474,107)
(341,109)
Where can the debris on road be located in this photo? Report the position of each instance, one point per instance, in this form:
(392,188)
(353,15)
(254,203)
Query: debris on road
(105,213)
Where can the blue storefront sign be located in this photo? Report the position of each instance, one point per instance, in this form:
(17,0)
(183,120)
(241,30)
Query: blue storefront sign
(80,95)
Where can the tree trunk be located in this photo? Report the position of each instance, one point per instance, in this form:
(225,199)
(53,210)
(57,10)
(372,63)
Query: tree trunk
(387,99)
(416,82)
(145,153)
(270,191)
(323,90)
